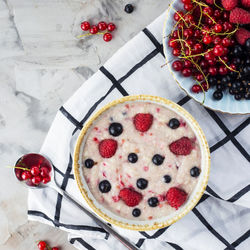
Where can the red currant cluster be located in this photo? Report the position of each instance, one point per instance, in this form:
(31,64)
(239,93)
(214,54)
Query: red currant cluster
(33,175)
(42,245)
(101,26)
(201,38)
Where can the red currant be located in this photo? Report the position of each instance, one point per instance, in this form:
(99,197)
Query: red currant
(209,21)
(189,18)
(217,40)
(44,172)
(196,88)
(186,1)
(198,48)
(208,11)
(205,86)
(175,34)
(226,42)
(107,37)
(36,179)
(232,66)
(180,26)
(199,77)
(232,42)
(207,39)
(93,29)
(55,248)
(85,25)
(209,55)
(223,70)
(205,30)
(178,15)
(224,59)
(188,6)
(189,43)
(211,62)
(197,34)
(176,52)
(212,71)
(188,64)
(102,26)
(188,52)
(217,14)
(205,71)
(203,64)
(111,27)
(42,245)
(173,43)
(26,175)
(227,27)
(186,72)
(177,65)
(35,170)
(218,28)
(226,15)
(188,33)
(46,179)
(218,50)
(225,51)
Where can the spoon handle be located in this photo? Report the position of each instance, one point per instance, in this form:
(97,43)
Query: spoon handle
(98,221)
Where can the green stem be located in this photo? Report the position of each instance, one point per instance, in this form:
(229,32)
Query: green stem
(27,169)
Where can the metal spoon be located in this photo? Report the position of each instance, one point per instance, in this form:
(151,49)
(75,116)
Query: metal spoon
(101,223)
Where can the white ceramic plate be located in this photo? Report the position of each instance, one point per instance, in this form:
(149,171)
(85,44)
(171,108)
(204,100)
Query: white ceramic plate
(227,104)
(147,224)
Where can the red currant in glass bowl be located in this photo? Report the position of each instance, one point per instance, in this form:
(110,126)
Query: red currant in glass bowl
(33,170)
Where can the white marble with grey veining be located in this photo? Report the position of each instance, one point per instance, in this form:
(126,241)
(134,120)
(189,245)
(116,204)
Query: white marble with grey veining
(41,65)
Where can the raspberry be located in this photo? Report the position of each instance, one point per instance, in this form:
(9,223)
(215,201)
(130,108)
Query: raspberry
(240,16)
(107,148)
(143,122)
(183,146)
(245,3)
(242,35)
(176,197)
(130,197)
(229,4)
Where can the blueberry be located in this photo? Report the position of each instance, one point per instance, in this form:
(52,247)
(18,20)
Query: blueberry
(89,163)
(217,95)
(231,91)
(236,61)
(115,129)
(247,44)
(212,80)
(233,74)
(220,87)
(104,186)
(237,50)
(247,62)
(153,202)
(247,96)
(238,96)
(174,123)
(158,159)
(226,79)
(136,212)
(129,8)
(142,183)
(246,70)
(132,157)
(194,172)
(167,178)
(245,84)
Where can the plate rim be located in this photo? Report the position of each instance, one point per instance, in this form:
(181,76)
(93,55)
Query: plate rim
(164,38)
(156,225)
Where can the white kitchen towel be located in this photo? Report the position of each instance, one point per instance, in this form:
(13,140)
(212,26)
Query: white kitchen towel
(221,220)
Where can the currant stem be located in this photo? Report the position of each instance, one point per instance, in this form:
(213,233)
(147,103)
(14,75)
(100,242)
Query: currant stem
(228,66)
(27,169)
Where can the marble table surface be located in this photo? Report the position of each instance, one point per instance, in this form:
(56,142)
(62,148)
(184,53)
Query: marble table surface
(41,65)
